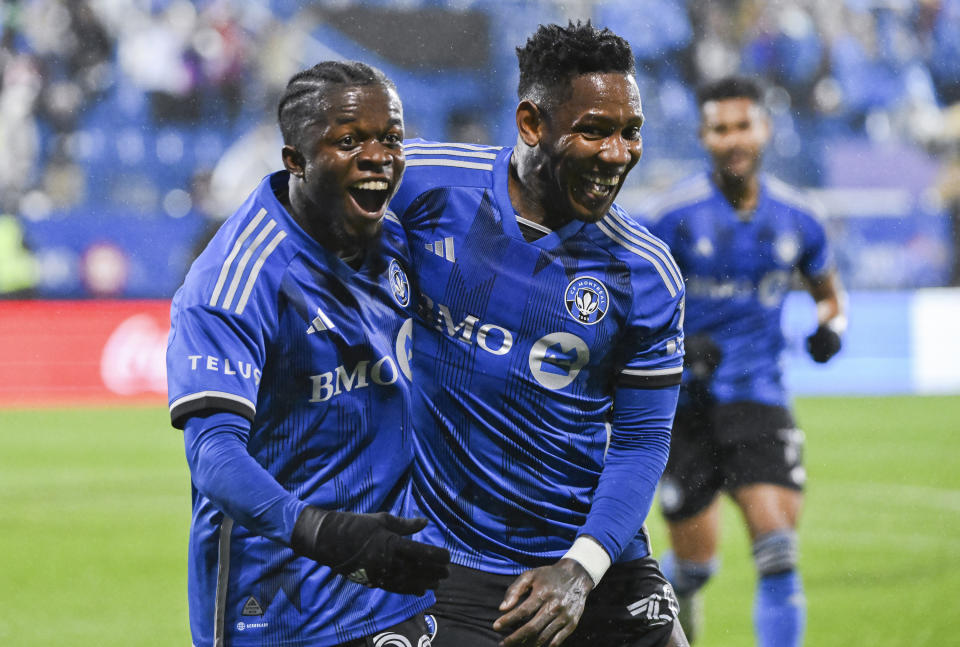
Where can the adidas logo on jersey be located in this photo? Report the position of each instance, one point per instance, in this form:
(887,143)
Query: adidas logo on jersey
(320,323)
(442,248)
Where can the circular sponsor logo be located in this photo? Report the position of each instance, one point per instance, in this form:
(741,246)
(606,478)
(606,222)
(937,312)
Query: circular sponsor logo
(399,283)
(241,626)
(586,300)
(556,359)
(404,348)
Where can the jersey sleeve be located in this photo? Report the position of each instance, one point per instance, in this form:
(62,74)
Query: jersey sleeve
(653,345)
(816,258)
(217,349)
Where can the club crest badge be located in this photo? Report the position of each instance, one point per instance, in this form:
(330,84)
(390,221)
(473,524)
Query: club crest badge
(399,283)
(586,300)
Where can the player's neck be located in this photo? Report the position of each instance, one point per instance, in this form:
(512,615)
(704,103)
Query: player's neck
(741,193)
(328,232)
(528,195)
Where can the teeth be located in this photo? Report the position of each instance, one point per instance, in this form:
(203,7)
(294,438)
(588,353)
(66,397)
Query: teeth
(605,181)
(372,185)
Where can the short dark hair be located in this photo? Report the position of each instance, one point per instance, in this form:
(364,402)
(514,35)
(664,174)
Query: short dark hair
(554,55)
(305,92)
(730,87)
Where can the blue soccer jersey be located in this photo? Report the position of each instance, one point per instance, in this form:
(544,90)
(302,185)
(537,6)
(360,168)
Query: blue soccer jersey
(518,349)
(739,269)
(273,327)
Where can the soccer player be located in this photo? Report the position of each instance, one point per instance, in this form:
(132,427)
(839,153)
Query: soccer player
(739,236)
(288,373)
(547,361)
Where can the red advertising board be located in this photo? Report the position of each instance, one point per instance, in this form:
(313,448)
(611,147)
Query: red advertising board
(83,352)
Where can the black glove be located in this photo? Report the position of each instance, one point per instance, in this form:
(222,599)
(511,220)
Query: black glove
(701,356)
(824,343)
(370,549)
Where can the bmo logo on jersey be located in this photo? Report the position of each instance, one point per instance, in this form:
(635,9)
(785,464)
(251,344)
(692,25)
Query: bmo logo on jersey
(494,339)
(384,371)
(556,359)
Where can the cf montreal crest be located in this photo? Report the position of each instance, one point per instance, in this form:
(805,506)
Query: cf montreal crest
(587,300)
(399,283)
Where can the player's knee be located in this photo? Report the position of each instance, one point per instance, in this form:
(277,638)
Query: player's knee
(688,577)
(776,552)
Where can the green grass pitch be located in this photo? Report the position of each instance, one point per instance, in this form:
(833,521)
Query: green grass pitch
(94,512)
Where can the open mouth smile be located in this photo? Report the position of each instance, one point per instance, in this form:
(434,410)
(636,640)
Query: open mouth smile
(600,187)
(370,195)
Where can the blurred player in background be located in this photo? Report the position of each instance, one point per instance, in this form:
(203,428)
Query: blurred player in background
(739,237)
(546,313)
(287,369)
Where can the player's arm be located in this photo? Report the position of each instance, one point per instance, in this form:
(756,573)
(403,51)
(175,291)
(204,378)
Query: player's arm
(828,294)
(545,604)
(370,549)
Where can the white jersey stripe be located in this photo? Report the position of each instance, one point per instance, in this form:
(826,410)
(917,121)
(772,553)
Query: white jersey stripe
(223,395)
(248,288)
(225,270)
(242,265)
(684,194)
(653,371)
(389,215)
(637,231)
(448,151)
(648,243)
(469,147)
(445,162)
(667,279)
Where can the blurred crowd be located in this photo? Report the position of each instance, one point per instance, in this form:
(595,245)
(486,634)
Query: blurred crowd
(162,109)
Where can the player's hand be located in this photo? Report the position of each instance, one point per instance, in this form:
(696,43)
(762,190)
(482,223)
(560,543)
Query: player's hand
(371,549)
(701,356)
(544,605)
(824,343)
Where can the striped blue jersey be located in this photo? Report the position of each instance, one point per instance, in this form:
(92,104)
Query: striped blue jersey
(519,348)
(739,269)
(270,325)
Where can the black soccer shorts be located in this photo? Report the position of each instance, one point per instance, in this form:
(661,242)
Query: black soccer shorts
(633,606)
(727,446)
(417,631)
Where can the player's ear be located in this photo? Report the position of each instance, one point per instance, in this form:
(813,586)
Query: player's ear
(529,122)
(293,160)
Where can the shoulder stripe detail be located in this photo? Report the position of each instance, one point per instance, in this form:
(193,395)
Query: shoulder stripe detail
(415,150)
(236,273)
(389,215)
(646,241)
(469,147)
(793,196)
(446,162)
(668,280)
(248,288)
(684,194)
(225,270)
(242,265)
